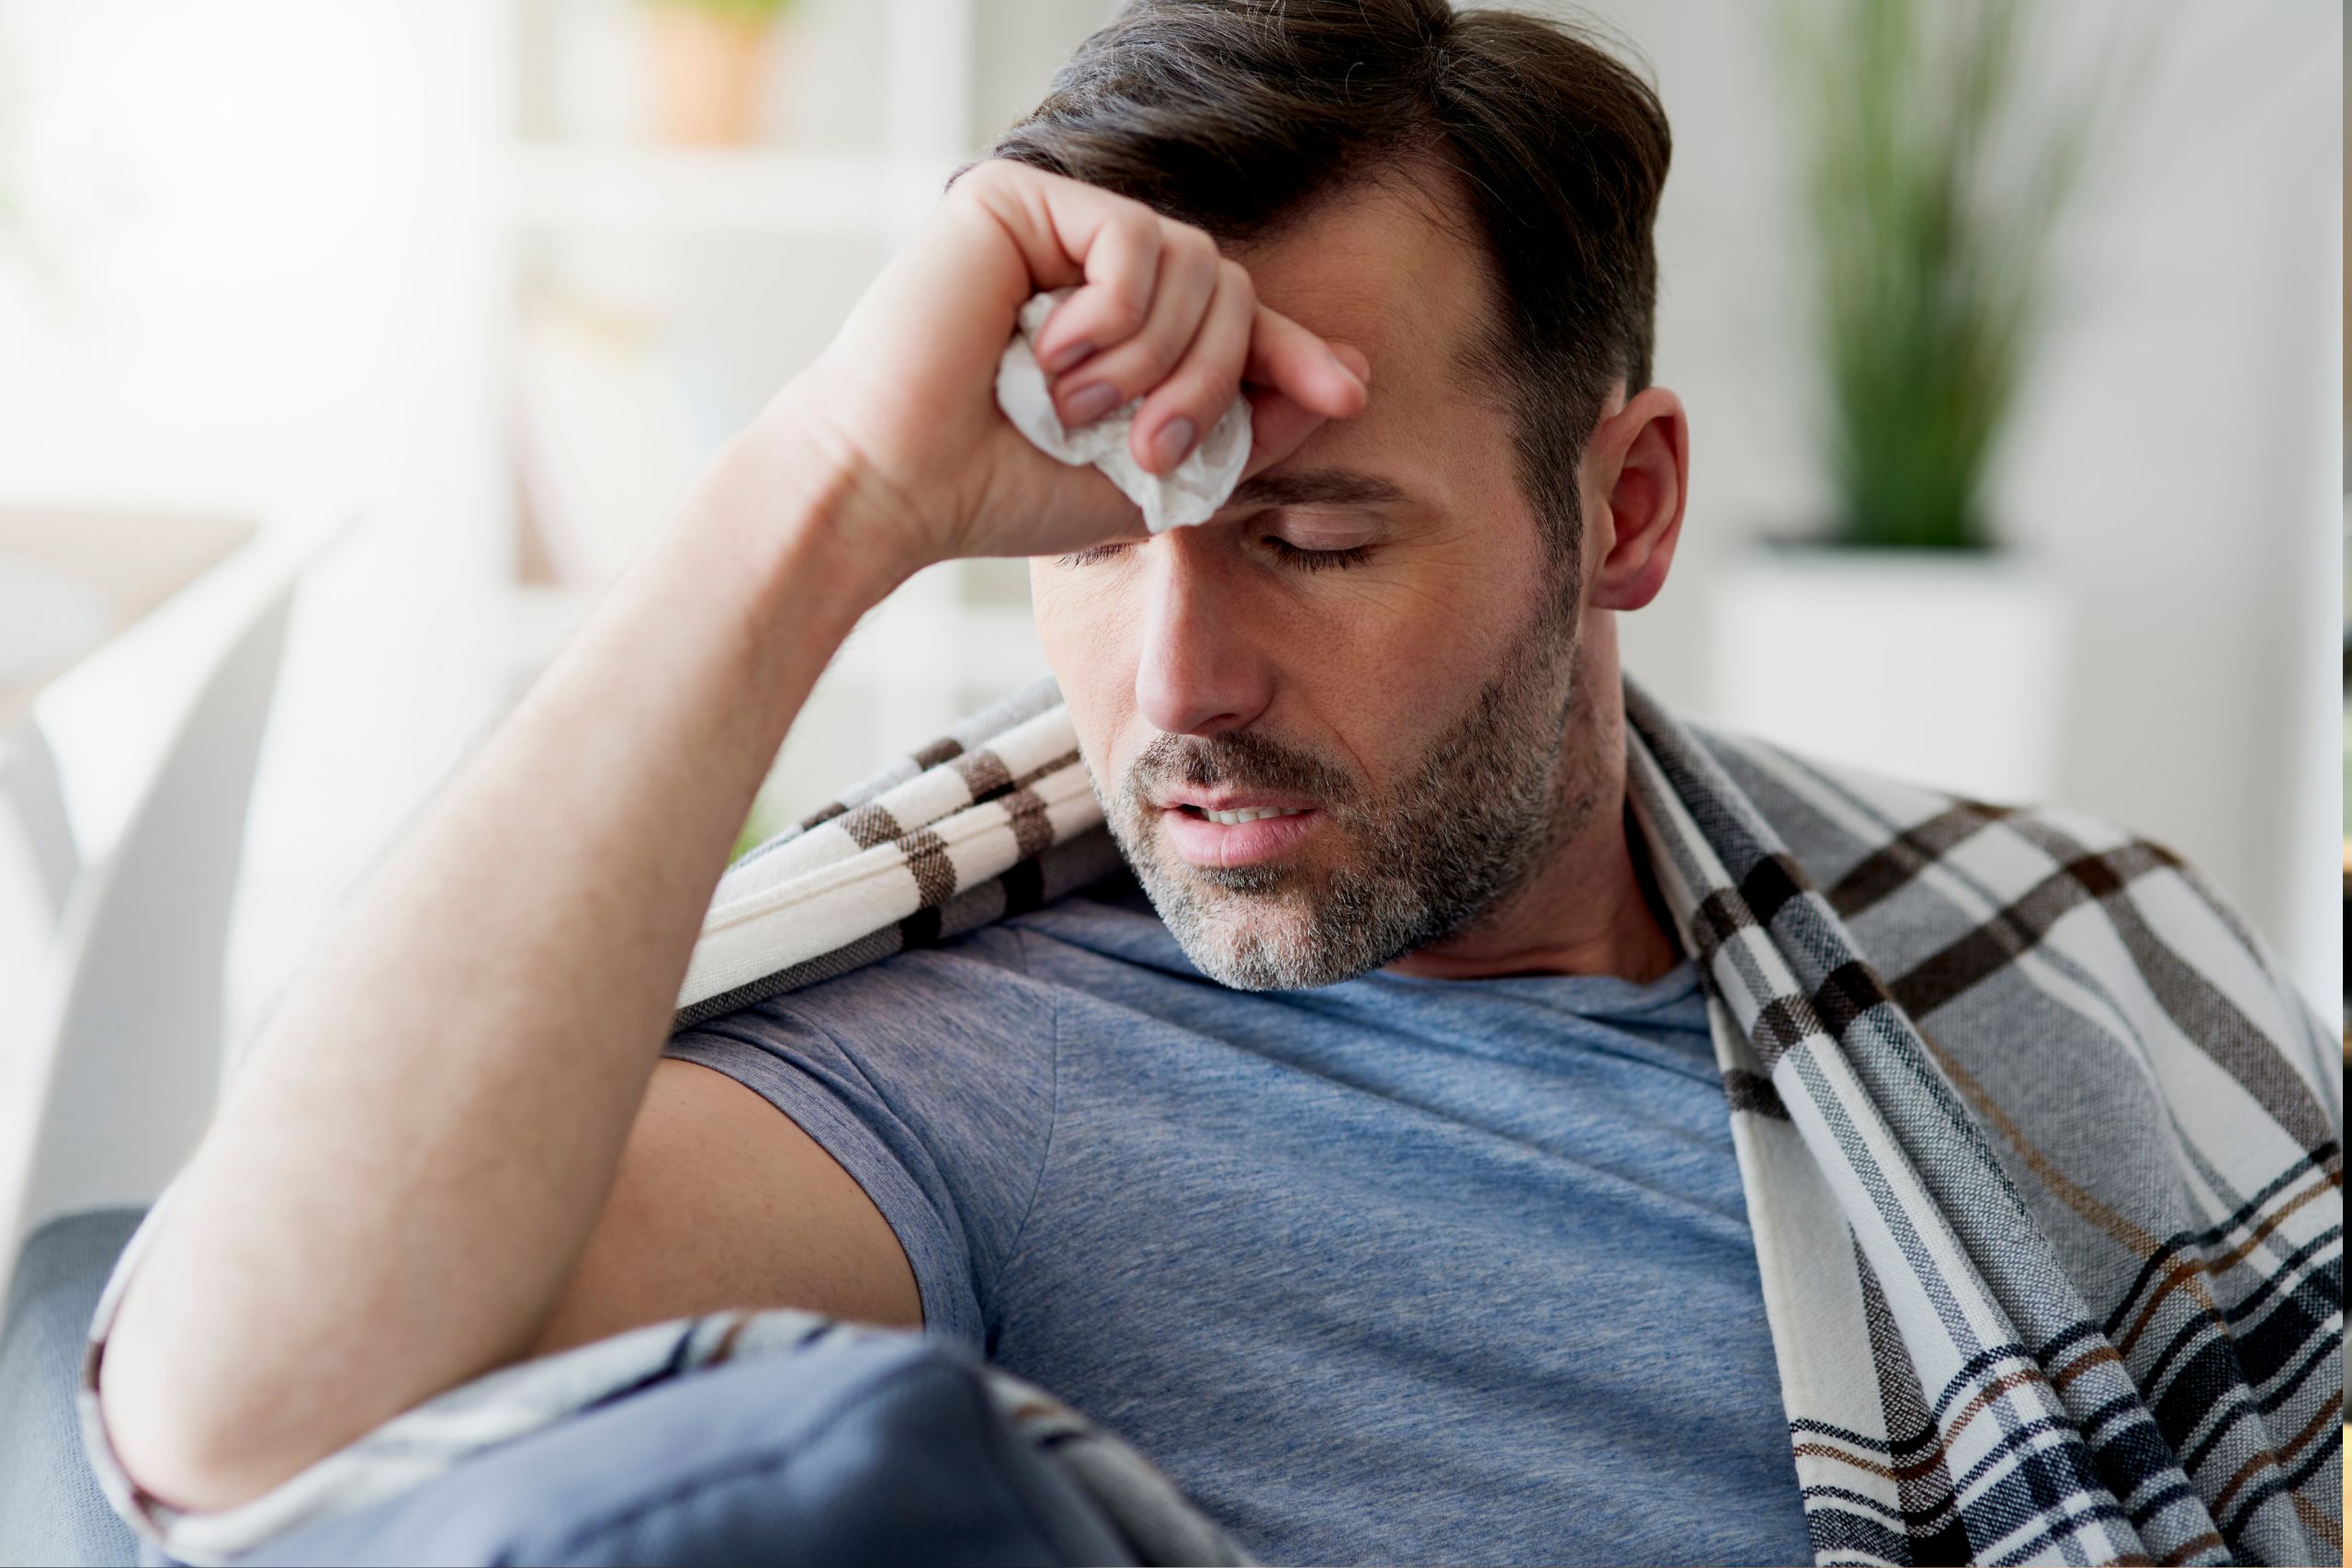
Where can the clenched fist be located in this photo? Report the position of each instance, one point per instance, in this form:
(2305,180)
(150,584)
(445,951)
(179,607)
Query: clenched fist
(905,394)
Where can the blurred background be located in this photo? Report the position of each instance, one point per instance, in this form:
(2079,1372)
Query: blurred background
(2014,358)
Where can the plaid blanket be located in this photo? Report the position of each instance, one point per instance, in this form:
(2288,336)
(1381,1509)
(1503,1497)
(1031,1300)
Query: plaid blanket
(2042,1153)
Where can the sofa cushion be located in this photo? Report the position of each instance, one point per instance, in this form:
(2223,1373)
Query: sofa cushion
(50,1507)
(871,1452)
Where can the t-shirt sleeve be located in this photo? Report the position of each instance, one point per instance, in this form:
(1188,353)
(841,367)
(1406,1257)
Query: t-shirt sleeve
(930,1078)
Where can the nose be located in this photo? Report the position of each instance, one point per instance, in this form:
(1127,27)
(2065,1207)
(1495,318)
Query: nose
(1200,670)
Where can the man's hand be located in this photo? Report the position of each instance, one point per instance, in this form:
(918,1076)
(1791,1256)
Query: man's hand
(905,394)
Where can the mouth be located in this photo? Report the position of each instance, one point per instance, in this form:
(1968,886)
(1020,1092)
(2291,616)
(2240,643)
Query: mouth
(1238,834)
(1239,815)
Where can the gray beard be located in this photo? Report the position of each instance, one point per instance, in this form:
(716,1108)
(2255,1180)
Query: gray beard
(1489,804)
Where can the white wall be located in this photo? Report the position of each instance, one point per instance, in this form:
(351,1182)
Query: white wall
(263,253)
(2177,453)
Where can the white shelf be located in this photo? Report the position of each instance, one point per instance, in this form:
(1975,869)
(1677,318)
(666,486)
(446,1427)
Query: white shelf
(660,233)
(716,190)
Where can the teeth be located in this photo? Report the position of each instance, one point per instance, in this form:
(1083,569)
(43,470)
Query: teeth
(1230,818)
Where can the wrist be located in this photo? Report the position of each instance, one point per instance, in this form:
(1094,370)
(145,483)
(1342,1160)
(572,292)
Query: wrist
(796,508)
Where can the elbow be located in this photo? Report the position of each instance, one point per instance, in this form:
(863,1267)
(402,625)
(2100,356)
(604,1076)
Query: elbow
(195,1447)
(160,1456)
(199,1432)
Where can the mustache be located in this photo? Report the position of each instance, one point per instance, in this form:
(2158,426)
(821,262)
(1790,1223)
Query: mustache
(1242,758)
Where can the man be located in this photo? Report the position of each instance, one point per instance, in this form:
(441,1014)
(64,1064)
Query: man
(1357,1158)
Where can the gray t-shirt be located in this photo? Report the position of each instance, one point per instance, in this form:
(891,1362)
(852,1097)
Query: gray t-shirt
(1392,1271)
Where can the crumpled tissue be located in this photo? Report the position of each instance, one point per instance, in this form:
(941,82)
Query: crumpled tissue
(1190,492)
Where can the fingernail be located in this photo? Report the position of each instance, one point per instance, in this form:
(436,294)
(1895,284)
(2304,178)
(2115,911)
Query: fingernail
(1089,402)
(1065,357)
(1364,376)
(1175,439)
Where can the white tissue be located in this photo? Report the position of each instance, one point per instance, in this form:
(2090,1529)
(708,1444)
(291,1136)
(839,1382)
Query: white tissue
(1190,492)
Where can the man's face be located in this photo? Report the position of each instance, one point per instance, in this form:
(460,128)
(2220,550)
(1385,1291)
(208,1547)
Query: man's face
(1412,695)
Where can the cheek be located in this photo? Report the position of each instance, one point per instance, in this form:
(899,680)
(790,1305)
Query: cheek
(1414,643)
(1078,628)
(1091,660)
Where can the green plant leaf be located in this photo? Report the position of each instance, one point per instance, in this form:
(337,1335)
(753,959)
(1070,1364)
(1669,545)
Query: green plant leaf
(1930,230)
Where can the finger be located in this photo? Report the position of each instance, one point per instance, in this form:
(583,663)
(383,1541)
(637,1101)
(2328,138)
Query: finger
(1123,265)
(1185,406)
(1278,427)
(1064,232)
(1295,361)
(1188,279)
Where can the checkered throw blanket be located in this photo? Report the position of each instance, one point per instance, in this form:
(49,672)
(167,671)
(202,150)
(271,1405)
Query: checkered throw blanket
(2042,1153)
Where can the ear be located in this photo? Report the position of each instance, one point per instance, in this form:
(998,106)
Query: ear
(1637,471)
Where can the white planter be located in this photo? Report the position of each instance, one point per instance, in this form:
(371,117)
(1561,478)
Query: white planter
(1948,669)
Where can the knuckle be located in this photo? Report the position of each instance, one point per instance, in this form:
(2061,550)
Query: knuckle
(1146,373)
(1215,392)
(1133,224)
(1236,276)
(1179,239)
(1197,247)
(1165,351)
(996,174)
(1123,310)
(1200,390)
(971,192)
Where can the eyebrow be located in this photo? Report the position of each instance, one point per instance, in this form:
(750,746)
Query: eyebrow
(1317,487)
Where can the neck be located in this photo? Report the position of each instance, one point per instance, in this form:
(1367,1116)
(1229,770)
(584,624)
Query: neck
(1590,908)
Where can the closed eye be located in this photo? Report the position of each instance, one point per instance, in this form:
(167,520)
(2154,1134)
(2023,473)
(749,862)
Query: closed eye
(1316,561)
(1284,551)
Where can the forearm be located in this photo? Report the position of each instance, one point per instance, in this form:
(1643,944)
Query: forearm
(414,1151)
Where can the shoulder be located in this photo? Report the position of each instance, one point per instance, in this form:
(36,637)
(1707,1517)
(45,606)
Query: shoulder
(1005,977)
(977,985)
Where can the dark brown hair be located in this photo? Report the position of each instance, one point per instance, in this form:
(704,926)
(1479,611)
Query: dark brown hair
(1236,114)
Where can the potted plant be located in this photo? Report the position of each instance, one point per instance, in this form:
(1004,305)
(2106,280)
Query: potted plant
(708,59)
(1912,638)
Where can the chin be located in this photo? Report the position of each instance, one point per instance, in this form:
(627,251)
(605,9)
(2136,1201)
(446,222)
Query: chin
(1260,928)
(1252,959)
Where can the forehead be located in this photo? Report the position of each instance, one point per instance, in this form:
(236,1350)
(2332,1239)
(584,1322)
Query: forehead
(1394,268)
